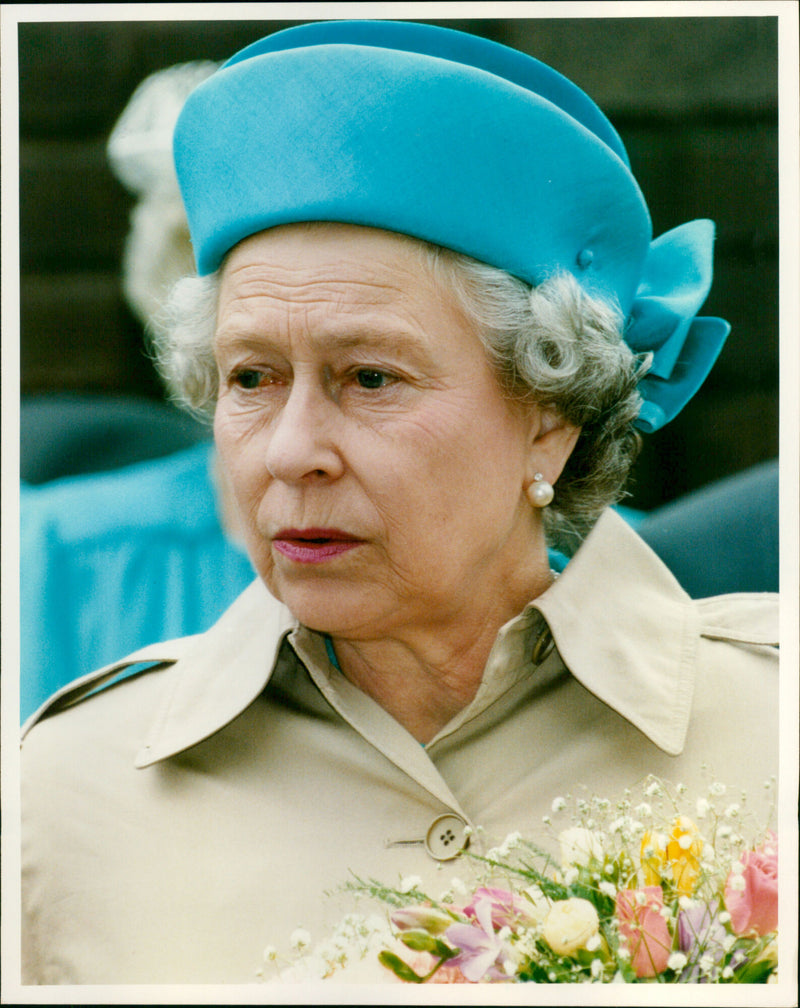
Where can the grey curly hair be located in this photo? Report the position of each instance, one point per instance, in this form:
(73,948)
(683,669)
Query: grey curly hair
(552,345)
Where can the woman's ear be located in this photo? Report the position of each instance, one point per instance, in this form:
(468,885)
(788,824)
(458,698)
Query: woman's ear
(551,444)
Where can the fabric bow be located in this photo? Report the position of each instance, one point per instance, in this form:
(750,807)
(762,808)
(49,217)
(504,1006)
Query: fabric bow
(676,280)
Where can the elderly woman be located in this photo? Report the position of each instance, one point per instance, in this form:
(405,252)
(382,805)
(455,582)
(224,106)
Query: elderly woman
(429,325)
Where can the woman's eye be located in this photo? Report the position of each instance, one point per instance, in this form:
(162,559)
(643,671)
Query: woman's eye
(370,379)
(248,379)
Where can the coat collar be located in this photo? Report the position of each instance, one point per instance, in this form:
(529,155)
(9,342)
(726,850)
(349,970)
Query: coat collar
(621,623)
(627,631)
(219,674)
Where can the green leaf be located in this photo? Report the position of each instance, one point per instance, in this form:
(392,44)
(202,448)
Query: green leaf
(400,969)
(756,972)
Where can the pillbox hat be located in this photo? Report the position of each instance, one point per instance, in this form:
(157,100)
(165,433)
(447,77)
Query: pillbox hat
(460,142)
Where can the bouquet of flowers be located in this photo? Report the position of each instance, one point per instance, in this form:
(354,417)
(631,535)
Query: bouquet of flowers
(640,893)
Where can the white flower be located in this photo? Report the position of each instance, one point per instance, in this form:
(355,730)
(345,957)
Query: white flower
(270,953)
(579,846)
(703,807)
(570,925)
(732,811)
(727,973)
(643,810)
(458,886)
(608,889)
(409,883)
(559,804)
(299,939)
(653,789)
(570,876)
(676,961)
(708,856)
(736,882)
(716,789)
(597,968)
(510,842)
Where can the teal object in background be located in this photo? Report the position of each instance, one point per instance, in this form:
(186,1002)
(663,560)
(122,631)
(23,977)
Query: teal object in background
(117,560)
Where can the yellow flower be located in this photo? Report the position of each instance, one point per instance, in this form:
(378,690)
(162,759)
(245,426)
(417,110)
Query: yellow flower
(569,925)
(683,854)
(654,857)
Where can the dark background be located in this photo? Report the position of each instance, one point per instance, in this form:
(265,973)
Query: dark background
(694,99)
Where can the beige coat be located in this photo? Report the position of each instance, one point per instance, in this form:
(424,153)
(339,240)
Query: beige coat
(178,822)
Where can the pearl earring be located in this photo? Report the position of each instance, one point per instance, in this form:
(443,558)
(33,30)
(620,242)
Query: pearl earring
(540,492)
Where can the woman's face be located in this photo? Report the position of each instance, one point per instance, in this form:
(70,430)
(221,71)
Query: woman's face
(377,467)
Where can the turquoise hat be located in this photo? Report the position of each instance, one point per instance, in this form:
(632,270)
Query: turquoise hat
(455,140)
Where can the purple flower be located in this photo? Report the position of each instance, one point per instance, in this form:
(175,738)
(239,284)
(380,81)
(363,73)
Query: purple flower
(482,953)
(702,937)
(507,908)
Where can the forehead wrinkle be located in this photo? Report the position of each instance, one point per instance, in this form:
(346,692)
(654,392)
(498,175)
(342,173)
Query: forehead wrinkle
(330,283)
(380,322)
(377,335)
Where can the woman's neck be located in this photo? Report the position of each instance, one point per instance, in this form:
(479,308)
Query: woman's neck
(424,677)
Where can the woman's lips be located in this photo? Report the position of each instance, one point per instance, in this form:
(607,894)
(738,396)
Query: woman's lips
(313,545)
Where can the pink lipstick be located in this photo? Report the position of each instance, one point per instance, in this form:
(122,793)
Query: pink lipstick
(313,545)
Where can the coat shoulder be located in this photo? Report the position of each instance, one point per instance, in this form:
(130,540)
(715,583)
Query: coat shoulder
(147,660)
(742,618)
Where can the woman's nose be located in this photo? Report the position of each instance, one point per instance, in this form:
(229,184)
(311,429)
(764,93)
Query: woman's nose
(301,437)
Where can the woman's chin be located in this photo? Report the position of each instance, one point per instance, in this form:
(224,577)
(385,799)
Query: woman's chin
(329,609)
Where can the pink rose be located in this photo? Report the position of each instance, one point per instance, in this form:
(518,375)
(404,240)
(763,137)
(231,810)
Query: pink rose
(644,929)
(751,895)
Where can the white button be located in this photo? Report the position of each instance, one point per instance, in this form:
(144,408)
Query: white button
(445,839)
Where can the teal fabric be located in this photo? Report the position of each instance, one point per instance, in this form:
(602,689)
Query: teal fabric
(458,141)
(675,283)
(722,537)
(115,561)
(308,125)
